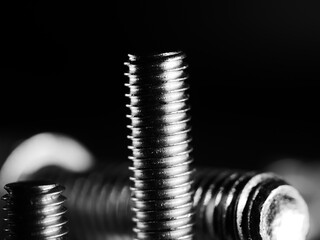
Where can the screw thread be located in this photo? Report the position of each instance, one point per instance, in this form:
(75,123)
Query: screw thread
(34,211)
(98,201)
(160,143)
(228,203)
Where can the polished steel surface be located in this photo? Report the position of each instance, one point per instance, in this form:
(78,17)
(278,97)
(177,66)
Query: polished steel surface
(162,175)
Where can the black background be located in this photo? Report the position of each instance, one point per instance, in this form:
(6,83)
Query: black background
(254,69)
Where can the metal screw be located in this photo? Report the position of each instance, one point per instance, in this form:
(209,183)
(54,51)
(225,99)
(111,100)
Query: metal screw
(160,143)
(34,211)
(99,201)
(229,204)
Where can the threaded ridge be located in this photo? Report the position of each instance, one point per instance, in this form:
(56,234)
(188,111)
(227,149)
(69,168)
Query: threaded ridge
(98,201)
(228,204)
(34,210)
(160,144)
(216,201)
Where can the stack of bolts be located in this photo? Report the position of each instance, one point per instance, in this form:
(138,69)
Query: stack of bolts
(164,192)
(229,204)
(162,189)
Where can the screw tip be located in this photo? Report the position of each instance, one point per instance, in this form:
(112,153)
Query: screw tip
(284,215)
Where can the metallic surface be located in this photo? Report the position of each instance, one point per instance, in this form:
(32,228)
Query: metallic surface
(98,201)
(229,204)
(161,169)
(34,211)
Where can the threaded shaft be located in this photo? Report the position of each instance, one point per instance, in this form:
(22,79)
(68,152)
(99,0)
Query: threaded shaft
(229,204)
(160,143)
(239,205)
(34,211)
(98,201)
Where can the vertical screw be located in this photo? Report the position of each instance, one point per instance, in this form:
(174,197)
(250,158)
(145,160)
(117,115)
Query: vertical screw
(229,204)
(162,190)
(34,211)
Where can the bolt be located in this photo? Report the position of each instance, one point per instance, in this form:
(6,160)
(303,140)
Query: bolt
(229,204)
(34,211)
(160,143)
